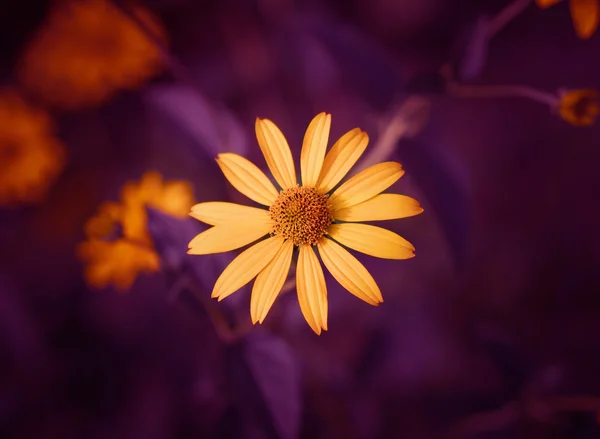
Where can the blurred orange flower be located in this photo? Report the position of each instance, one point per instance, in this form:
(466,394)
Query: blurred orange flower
(118,246)
(31,157)
(86,50)
(579,107)
(584,13)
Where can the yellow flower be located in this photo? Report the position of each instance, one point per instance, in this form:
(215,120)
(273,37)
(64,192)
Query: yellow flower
(307,216)
(31,157)
(86,50)
(118,245)
(584,13)
(116,262)
(579,107)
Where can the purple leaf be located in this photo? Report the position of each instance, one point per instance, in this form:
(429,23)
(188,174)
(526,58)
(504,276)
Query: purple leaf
(212,127)
(365,63)
(266,380)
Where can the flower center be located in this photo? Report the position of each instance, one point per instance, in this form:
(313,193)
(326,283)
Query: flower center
(301,214)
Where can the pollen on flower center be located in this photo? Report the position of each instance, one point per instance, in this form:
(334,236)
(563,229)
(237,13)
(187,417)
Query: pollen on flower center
(301,214)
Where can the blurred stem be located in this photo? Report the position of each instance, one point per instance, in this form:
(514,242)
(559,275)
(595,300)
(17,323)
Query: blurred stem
(220,323)
(506,15)
(224,330)
(405,121)
(502,91)
(539,409)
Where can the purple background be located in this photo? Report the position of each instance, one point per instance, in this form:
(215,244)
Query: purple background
(500,306)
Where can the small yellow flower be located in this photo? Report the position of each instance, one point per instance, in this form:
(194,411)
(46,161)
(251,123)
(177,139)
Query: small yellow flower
(579,107)
(116,262)
(86,51)
(118,245)
(308,216)
(31,157)
(584,13)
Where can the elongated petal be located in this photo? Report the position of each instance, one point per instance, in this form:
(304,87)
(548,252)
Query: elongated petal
(247,178)
(269,282)
(379,208)
(372,240)
(312,292)
(227,237)
(585,15)
(245,267)
(366,184)
(277,152)
(341,157)
(349,272)
(218,212)
(313,148)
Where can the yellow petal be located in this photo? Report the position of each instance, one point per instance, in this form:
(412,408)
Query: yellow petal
(546,3)
(224,238)
(313,148)
(341,157)
(366,184)
(312,292)
(218,212)
(269,282)
(245,267)
(379,208)
(372,240)
(247,178)
(349,272)
(277,152)
(585,15)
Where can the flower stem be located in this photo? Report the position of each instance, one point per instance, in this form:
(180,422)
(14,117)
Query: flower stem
(506,15)
(217,318)
(501,91)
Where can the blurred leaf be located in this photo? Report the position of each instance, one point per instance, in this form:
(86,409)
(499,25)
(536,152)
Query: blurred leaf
(171,236)
(266,380)
(365,63)
(446,193)
(214,128)
(472,49)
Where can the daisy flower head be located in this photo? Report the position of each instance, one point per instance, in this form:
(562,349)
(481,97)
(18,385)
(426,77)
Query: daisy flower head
(312,216)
